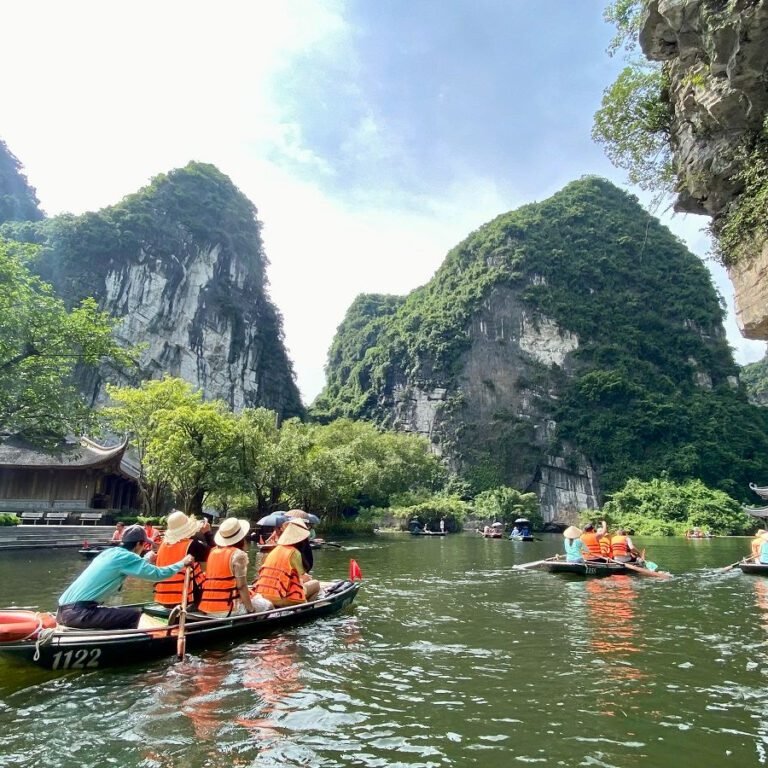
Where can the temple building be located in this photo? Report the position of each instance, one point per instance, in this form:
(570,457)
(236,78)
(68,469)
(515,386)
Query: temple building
(76,476)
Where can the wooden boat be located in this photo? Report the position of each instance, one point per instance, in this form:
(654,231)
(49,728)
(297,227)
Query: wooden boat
(592,569)
(54,647)
(753,568)
(520,538)
(90,552)
(417,532)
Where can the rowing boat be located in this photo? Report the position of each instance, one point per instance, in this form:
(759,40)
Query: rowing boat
(755,569)
(58,648)
(592,569)
(520,538)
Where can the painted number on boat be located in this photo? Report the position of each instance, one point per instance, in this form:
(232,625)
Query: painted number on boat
(81,659)
(589,570)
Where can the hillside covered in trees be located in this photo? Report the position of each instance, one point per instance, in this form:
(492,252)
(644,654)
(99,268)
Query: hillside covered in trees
(578,329)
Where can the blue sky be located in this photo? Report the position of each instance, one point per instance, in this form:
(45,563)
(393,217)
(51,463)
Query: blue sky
(372,135)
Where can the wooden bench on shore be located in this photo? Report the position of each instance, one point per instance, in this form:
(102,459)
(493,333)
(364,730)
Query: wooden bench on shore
(56,517)
(89,517)
(33,516)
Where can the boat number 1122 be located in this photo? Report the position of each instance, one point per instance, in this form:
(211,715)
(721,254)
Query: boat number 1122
(81,659)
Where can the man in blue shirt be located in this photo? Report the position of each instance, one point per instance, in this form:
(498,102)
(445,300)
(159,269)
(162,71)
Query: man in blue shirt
(79,605)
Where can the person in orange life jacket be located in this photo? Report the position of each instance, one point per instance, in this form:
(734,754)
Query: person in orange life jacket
(623,549)
(606,548)
(183,535)
(225,591)
(282,578)
(79,605)
(591,538)
(153,536)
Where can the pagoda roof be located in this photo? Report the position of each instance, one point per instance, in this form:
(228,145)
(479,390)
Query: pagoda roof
(82,453)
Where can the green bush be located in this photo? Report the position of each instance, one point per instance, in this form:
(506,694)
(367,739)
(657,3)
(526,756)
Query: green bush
(8,519)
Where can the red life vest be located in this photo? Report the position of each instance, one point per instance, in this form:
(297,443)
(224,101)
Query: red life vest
(170,591)
(278,579)
(592,542)
(220,588)
(620,546)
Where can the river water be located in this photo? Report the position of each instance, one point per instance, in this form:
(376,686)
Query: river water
(448,657)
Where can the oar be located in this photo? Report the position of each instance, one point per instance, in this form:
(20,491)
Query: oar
(523,566)
(181,641)
(333,544)
(732,565)
(643,571)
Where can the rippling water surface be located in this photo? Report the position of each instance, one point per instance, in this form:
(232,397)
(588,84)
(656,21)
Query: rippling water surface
(447,657)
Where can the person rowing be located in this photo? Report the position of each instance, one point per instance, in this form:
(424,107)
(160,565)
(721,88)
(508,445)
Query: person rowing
(79,605)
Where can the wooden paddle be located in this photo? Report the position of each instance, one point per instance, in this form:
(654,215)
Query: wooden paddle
(523,566)
(181,641)
(733,565)
(641,570)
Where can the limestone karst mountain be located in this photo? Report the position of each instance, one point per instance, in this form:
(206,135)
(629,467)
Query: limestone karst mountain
(182,265)
(561,348)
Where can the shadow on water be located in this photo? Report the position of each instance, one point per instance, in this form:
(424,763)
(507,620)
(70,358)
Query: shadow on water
(449,656)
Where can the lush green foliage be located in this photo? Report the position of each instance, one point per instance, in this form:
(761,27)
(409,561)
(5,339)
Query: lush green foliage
(755,378)
(633,125)
(744,226)
(198,450)
(653,383)
(506,504)
(41,346)
(8,519)
(18,201)
(663,508)
(452,509)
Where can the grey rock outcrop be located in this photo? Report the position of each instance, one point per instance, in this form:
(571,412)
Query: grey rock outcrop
(717,58)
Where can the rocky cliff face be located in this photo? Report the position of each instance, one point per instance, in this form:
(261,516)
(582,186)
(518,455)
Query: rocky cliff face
(560,348)
(717,58)
(181,265)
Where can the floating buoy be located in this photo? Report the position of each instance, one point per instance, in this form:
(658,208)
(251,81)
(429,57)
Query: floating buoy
(23,625)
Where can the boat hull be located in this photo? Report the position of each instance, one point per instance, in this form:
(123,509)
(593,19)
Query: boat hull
(95,649)
(521,538)
(754,569)
(590,570)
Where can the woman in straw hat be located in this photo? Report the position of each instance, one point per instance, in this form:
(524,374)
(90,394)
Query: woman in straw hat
(282,578)
(225,591)
(575,549)
(183,535)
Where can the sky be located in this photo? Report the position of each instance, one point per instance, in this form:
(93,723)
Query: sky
(372,135)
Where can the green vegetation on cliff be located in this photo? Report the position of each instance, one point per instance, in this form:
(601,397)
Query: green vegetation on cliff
(652,386)
(18,201)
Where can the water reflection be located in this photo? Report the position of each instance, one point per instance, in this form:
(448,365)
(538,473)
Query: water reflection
(614,635)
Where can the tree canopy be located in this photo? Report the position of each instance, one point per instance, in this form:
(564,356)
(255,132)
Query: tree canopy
(42,345)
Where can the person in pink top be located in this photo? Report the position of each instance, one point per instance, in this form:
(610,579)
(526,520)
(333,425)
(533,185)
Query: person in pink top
(117,534)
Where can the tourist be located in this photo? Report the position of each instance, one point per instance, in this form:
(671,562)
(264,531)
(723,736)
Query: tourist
(763,554)
(755,544)
(117,534)
(282,578)
(183,535)
(575,549)
(79,605)
(442,525)
(153,535)
(623,549)
(225,592)
(591,538)
(515,532)
(606,549)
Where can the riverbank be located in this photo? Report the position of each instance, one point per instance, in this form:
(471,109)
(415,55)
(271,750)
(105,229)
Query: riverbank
(52,536)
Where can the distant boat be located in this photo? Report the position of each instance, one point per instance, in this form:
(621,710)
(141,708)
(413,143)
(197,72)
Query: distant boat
(420,532)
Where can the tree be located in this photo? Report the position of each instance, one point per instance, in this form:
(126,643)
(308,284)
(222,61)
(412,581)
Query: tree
(42,346)
(662,507)
(506,504)
(136,413)
(193,450)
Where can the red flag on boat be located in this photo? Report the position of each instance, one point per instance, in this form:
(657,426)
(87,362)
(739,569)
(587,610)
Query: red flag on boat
(85,544)
(355,573)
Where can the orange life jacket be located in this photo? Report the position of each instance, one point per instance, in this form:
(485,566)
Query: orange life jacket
(592,542)
(278,579)
(170,591)
(620,546)
(220,588)
(606,546)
